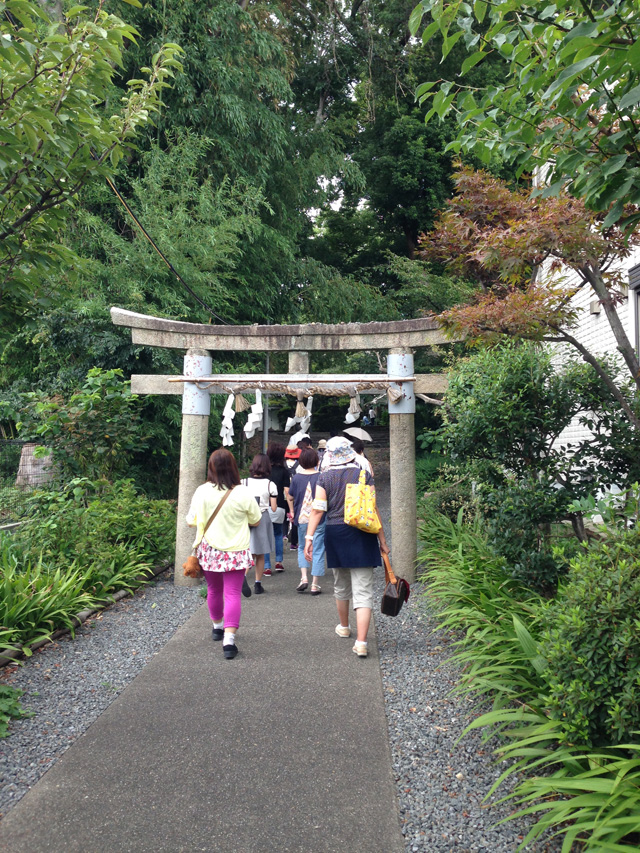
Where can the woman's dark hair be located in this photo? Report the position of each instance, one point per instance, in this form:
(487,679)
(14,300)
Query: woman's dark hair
(275,452)
(260,467)
(222,469)
(357,444)
(308,458)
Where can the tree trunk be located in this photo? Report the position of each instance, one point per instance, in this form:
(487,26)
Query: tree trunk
(411,243)
(320,111)
(53,8)
(625,347)
(577,522)
(602,373)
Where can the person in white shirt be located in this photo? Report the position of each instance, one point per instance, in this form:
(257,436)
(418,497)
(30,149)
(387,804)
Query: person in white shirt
(361,459)
(265,492)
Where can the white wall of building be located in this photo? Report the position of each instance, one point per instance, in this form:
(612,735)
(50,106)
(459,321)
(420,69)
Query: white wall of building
(594,331)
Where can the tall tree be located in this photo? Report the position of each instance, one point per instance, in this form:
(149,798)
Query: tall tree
(569,100)
(405,168)
(502,238)
(55,137)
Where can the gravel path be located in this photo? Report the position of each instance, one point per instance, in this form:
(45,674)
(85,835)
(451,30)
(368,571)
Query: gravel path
(441,784)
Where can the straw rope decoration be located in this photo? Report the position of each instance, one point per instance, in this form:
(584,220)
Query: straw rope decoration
(301,409)
(393,393)
(242,404)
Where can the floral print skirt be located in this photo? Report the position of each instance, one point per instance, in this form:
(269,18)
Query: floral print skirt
(213,560)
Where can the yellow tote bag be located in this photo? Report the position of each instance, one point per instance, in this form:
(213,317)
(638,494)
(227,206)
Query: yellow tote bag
(360,506)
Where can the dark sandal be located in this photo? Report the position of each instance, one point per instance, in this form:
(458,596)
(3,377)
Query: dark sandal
(302,586)
(315,589)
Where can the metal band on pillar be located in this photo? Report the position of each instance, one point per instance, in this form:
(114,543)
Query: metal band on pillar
(195,401)
(400,363)
(196,406)
(402,464)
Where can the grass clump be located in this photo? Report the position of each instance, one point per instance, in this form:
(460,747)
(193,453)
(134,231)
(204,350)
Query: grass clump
(561,675)
(77,547)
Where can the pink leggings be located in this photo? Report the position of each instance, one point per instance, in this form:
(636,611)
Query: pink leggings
(223,596)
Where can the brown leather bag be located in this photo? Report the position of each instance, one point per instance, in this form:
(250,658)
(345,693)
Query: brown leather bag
(396,591)
(191,566)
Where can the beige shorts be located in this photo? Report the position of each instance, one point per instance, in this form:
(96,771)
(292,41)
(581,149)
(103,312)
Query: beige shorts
(356,584)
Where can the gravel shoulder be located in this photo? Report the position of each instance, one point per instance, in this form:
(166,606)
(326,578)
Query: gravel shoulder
(441,782)
(69,683)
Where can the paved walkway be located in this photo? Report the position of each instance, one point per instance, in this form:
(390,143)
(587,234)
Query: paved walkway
(283,749)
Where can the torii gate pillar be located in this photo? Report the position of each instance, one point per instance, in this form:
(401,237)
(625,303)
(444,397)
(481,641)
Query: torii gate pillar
(298,362)
(196,407)
(402,465)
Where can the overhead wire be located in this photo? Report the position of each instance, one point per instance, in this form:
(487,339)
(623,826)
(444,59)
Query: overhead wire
(160,253)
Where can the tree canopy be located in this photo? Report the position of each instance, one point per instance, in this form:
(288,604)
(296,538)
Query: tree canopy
(570,98)
(502,237)
(55,135)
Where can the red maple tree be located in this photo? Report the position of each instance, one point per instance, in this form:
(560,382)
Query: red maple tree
(531,255)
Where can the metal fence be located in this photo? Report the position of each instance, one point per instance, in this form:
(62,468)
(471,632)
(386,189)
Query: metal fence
(20,472)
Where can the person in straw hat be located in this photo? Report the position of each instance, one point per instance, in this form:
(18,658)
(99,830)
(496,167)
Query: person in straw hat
(351,553)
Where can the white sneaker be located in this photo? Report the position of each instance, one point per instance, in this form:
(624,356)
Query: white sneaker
(343,631)
(361,649)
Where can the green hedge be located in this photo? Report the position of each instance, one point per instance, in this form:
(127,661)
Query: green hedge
(592,645)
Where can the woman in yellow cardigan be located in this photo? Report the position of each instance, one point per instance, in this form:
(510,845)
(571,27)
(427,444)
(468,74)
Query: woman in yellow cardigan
(223,551)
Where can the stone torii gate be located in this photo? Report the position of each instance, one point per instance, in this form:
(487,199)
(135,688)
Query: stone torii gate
(399,338)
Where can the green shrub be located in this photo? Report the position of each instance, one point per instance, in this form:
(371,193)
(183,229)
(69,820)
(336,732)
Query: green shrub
(94,433)
(504,411)
(521,518)
(77,547)
(592,644)
(447,494)
(9,707)
(427,468)
(590,796)
(88,520)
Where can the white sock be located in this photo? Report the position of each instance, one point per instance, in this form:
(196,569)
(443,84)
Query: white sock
(229,639)
(362,642)
(219,624)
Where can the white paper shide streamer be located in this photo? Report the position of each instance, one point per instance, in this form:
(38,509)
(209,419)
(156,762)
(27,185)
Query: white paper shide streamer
(228,414)
(302,415)
(254,421)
